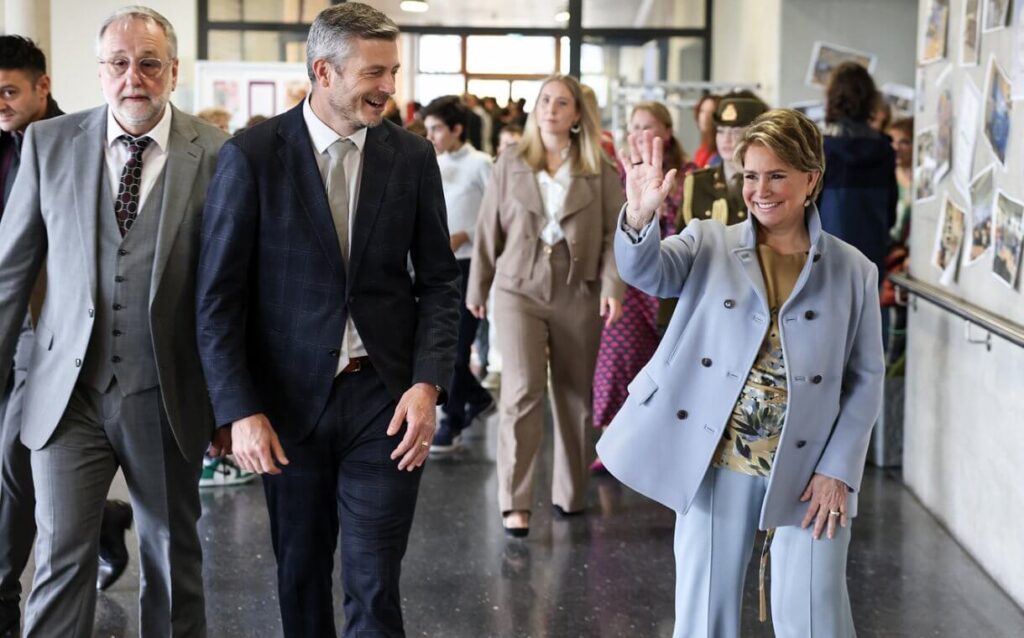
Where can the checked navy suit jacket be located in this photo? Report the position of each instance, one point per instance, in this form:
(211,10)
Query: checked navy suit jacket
(273,293)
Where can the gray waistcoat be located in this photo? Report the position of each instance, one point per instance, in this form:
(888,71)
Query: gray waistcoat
(121,346)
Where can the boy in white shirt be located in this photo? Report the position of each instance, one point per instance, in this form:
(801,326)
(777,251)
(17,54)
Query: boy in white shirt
(465,173)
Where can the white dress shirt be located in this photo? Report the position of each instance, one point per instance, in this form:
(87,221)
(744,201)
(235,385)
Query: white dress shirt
(321,137)
(153,158)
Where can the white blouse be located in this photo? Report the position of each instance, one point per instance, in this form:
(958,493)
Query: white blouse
(553,191)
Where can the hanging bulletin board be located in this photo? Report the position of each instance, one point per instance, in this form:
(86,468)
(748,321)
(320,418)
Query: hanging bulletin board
(245,89)
(967,230)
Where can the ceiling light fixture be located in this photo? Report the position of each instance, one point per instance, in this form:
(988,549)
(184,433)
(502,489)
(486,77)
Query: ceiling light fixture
(414,6)
(562,16)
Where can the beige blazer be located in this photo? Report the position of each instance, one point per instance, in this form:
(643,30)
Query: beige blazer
(508,247)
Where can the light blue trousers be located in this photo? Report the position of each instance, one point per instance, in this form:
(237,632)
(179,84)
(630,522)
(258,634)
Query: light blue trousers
(713,545)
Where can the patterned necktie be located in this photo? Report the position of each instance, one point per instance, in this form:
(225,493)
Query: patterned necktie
(126,204)
(337,191)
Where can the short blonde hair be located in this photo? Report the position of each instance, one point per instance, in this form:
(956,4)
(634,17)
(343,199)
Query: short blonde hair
(584,146)
(792,136)
(216,116)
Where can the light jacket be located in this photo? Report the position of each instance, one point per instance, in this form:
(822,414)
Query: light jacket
(508,246)
(662,441)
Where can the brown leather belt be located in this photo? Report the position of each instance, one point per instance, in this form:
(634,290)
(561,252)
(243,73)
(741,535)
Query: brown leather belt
(356,364)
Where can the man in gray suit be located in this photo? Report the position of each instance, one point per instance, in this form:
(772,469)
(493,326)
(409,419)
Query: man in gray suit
(110,199)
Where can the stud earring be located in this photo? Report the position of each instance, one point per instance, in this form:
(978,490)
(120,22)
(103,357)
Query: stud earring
(807,203)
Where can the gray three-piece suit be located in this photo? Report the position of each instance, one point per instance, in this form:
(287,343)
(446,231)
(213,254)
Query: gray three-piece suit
(114,379)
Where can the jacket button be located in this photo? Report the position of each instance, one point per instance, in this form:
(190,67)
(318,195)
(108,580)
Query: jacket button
(817,256)
(78,363)
(122,252)
(333,353)
(91,312)
(117,333)
(809,315)
(115,359)
(816,379)
(705,362)
(729,303)
(682,414)
(117,306)
(118,278)
(801,443)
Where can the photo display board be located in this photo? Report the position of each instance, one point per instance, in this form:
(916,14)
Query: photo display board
(967,230)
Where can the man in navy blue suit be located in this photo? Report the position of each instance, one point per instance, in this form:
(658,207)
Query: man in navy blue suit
(322,353)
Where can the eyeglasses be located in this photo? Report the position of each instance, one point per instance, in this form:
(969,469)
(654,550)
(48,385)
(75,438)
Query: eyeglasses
(149,67)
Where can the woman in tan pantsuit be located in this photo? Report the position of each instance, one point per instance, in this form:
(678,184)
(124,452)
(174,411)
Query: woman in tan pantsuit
(544,239)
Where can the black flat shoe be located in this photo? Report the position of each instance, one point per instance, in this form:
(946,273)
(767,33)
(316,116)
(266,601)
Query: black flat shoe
(561,513)
(113,554)
(514,532)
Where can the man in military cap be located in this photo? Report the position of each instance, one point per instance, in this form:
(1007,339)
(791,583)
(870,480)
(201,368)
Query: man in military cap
(716,192)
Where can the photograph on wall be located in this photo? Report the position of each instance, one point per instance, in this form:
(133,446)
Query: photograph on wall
(998,105)
(970,33)
(924,165)
(920,89)
(1007,238)
(935,29)
(262,98)
(944,132)
(983,194)
(899,97)
(995,14)
(813,109)
(225,95)
(826,57)
(294,92)
(948,240)
(1018,51)
(966,121)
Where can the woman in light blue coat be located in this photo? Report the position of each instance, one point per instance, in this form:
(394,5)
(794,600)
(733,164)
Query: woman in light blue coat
(756,410)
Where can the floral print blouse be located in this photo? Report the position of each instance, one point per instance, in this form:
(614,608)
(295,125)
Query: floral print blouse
(751,437)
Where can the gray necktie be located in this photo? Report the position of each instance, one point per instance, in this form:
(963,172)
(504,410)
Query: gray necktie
(337,191)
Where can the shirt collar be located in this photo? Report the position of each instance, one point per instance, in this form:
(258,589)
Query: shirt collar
(462,152)
(159,133)
(322,135)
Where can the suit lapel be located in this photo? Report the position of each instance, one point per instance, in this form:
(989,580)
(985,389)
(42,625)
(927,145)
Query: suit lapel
(298,163)
(378,160)
(745,252)
(581,193)
(183,156)
(528,190)
(88,160)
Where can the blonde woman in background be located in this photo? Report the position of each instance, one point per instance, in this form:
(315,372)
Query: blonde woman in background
(544,241)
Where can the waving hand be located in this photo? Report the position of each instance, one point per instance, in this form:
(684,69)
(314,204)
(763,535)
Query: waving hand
(646,185)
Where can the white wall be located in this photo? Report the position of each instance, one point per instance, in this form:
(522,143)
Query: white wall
(884,27)
(73,48)
(745,42)
(963,404)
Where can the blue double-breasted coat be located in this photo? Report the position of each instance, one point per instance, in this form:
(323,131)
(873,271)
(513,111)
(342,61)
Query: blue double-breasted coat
(662,441)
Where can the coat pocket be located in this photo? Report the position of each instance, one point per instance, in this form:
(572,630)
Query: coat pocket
(642,388)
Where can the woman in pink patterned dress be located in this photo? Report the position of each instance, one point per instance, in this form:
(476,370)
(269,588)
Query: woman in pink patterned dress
(627,345)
